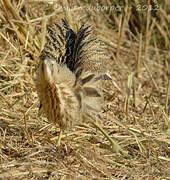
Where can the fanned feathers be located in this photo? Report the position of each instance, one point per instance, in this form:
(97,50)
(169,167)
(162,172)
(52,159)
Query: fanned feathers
(81,49)
(69,76)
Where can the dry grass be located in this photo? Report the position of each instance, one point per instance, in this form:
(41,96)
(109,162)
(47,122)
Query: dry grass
(137,114)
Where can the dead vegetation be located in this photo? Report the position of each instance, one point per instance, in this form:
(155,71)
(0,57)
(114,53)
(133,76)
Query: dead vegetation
(137,114)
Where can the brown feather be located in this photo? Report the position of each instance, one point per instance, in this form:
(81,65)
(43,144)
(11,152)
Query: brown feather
(68,86)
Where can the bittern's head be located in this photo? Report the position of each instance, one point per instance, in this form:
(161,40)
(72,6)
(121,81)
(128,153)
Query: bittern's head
(52,72)
(49,69)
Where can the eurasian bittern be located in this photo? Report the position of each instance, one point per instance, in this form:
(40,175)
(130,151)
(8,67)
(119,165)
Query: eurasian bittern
(69,77)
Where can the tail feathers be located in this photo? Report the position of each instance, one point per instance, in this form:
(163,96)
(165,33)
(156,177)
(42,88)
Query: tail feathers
(55,44)
(80,46)
(81,50)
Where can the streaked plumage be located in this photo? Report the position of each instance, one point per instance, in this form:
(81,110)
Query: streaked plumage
(70,74)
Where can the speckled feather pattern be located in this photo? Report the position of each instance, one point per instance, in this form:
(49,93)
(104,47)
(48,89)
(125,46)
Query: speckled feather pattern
(69,89)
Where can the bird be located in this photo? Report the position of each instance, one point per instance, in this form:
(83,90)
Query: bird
(70,75)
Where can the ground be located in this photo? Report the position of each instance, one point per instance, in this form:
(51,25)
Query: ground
(136,114)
